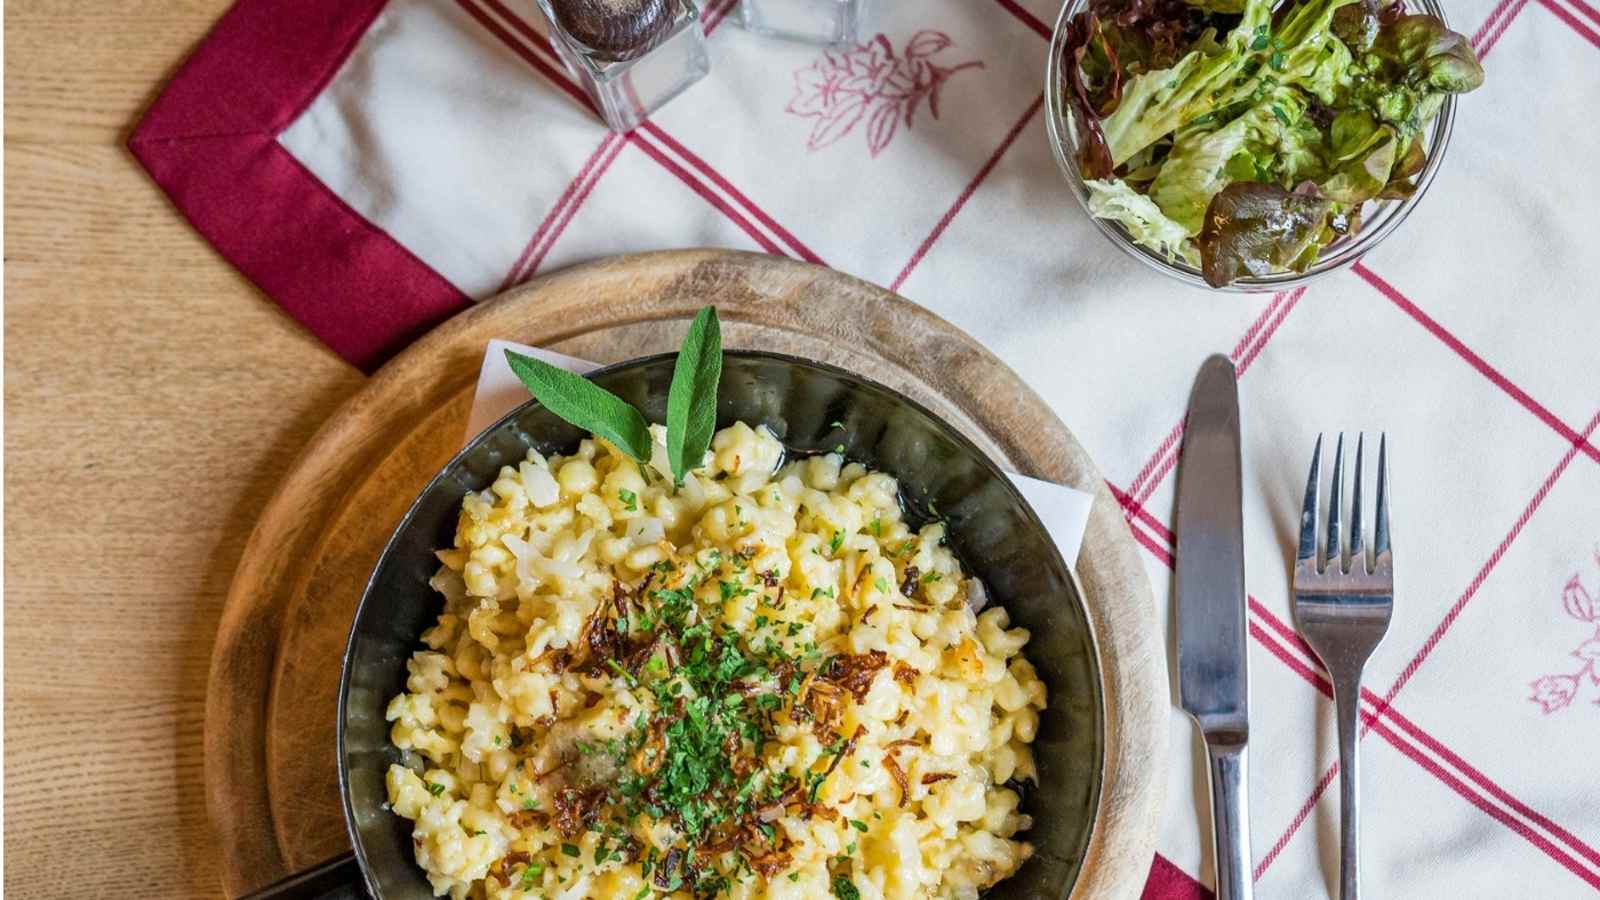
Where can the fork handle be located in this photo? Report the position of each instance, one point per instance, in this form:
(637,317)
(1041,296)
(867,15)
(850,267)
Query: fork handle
(1230,817)
(1347,703)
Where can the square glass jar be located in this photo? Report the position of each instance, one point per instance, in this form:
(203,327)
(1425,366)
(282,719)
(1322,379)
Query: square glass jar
(829,23)
(628,87)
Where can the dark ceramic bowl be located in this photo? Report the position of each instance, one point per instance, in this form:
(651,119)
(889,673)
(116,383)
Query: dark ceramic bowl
(992,530)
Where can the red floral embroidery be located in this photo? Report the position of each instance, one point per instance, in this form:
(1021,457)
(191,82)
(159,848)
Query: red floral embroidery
(868,83)
(1553,692)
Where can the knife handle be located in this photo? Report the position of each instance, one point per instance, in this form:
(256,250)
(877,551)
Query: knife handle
(1230,816)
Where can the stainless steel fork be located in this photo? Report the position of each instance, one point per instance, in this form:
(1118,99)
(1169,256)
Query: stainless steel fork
(1342,603)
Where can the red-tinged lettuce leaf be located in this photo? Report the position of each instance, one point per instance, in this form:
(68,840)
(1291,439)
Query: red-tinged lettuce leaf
(1431,55)
(1412,161)
(1400,185)
(1343,222)
(1100,74)
(1108,43)
(1093,88)
(1362,155)
(1357,24)
(1258,229)
(1150,34)
(1367,175)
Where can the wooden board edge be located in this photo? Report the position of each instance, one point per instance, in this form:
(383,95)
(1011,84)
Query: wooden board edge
(1133,662)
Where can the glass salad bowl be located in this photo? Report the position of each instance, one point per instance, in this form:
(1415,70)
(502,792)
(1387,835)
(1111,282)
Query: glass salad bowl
(1379,218)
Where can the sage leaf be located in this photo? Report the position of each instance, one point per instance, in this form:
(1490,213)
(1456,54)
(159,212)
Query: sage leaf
(692,399)
(585,404)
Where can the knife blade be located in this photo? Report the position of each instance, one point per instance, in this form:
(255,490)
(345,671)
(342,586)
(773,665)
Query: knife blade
(1213,676)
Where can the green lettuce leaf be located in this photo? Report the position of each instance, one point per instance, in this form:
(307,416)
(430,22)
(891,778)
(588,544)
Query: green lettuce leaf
(1158,102)
(1258,145)
(1413,64)
(1252,59)
(1323,67)
(1219,6)
(1113,199)
(1301,153)
(1432,55)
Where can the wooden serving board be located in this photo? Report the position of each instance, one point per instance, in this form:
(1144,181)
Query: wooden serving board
(270,708)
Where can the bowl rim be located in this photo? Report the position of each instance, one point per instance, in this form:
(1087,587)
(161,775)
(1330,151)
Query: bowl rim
(1343,253)
(1095,660)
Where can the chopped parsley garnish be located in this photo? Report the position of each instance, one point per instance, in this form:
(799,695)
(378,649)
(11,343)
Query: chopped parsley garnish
(435,788)
(844,888)
(629,499)
(622,673)
(836,543)
(702,768)
(694,758)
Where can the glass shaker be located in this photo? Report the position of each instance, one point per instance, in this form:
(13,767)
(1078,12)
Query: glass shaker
(631,56)
(830,23)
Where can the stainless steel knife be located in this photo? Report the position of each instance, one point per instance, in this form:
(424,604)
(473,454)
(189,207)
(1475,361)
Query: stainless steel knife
(1213,681)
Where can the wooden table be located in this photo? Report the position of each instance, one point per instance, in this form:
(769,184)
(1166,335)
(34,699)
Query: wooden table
(153,397)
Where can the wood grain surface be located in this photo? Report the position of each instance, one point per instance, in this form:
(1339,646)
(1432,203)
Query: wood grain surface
(153,400)
(270,761)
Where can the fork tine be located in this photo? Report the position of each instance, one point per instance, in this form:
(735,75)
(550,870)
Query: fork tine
(1308,514)
(1358,553)
(1334,555)
(1380,536)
